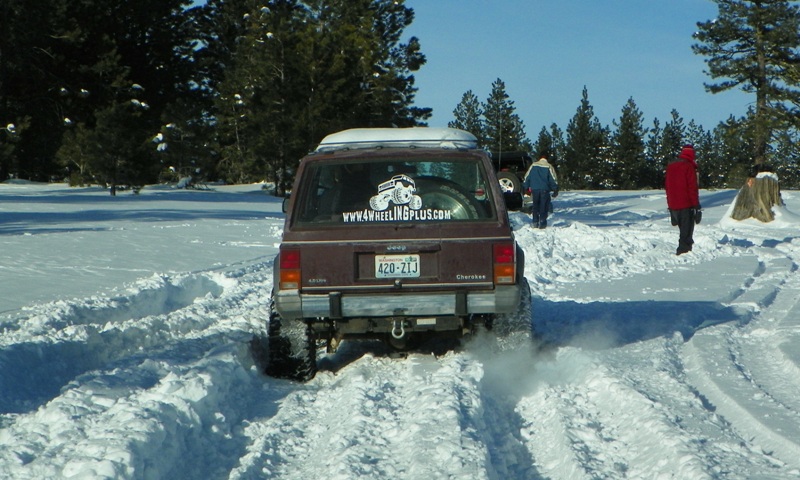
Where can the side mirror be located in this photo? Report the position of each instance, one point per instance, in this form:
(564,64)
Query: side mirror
(513,200)
(285,206)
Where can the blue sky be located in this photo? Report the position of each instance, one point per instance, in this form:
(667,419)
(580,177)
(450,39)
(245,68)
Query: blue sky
(546,51)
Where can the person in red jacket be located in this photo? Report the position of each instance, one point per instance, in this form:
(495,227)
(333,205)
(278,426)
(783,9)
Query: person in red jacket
(683,197)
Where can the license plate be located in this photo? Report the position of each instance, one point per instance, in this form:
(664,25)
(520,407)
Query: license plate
(396,266)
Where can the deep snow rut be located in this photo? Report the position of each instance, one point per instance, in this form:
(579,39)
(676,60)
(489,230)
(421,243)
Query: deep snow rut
(155,374)
(100,332)
(596,417)
(373,420)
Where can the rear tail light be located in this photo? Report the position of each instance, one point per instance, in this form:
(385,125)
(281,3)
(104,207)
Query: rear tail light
(505,263)
(289,266)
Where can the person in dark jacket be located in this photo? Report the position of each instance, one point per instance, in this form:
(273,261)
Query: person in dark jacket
(683,197)
(541,182)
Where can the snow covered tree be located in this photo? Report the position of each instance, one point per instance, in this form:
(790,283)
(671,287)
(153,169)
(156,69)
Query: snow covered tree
(263,97)
(504,130)
(183,142)
(284,73)
(468,116)
(753,45)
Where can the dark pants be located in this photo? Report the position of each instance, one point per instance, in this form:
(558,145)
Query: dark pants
(540,206)
(685,218)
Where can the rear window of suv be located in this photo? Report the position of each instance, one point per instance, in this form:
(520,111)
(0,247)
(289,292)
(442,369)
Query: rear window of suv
(386,190)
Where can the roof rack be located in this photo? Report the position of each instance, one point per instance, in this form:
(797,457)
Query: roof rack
(412,137)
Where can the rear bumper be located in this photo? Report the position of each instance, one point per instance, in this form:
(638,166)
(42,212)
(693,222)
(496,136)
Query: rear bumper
(292,304)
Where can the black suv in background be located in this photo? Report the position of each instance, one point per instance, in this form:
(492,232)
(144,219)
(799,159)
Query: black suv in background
(511,168)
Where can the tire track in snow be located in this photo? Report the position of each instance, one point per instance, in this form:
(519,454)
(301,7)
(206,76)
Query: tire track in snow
(371,416)
(629,412)
(749,389)
(146,420)
(599,426)
(584,454)
(54,345)
(719,447)
(505,358)
(590,455)
(748,406)
(372,420)
(164,403)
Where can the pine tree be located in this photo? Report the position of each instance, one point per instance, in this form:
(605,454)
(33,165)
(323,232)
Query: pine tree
(788,148)
(544,145)
(32,95)
(627,144)
(753,45)
(558,147)
(182,142)
(673,137)
(711,166)
(241,65)
(363,74)
(662,146)
(116,157)
(655,171)
(392,87)
(468,116)
(106,60)
(503,128)
(282,74)
(272,54)
(300,70)
(586,139)
(733,141)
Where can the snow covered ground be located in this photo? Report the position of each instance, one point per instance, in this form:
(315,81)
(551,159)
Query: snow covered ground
(125,322)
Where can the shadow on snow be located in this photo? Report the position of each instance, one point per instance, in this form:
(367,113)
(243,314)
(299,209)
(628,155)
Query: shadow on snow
(599,325)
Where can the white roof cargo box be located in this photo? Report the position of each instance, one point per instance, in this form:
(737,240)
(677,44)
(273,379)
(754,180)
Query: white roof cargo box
(421,137)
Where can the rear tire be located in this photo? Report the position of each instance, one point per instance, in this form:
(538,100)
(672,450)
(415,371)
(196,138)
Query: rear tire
(509,182)
(291,348)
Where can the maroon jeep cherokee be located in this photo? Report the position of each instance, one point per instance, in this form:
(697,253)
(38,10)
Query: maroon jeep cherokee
(392,234)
